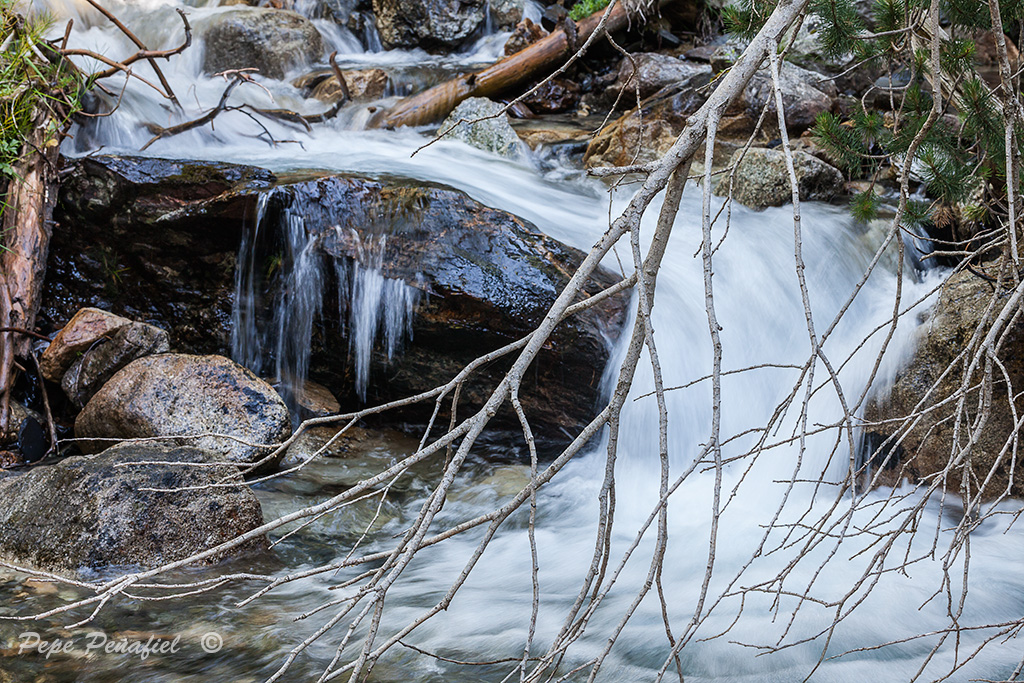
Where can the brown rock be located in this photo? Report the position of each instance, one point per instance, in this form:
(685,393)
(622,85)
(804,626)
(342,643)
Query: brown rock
(644,136)
(555,96)
(525,34)
(363,84)
(88,326)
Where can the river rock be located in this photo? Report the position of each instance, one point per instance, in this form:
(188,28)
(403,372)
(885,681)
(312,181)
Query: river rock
(762,178)
(85,328)
(91,513)
(506,14)
(175,394)
(653,71)
(108,355)
(485,277)
(644,134)
(272,40)
(553,97)
(805,94)
(926,448)
(469,123)
(362,84)
(434,25)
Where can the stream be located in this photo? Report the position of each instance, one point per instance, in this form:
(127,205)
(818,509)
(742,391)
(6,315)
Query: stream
(762,318)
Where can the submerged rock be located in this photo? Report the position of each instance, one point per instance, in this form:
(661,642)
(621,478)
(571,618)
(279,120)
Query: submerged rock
(97,365)
(434,25)
(93,512)
(762,178)
(483,124)
(928,445)
(86,327)
(272,40)
(175,394)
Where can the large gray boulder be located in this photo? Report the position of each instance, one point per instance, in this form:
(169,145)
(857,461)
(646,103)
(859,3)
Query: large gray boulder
(176,394)
(434,25)
(271,40)
(652,71)
(469,123)
(762,178)
(94,512)
(805,94)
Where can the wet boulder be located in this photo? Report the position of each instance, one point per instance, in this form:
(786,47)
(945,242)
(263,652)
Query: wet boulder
(926,387)
(484,278)
(108,355)
(274,41)
(555,96)
(762,179)
(483,124)
(82,331)
(152,240)
(474,279)
(181,395)
(434,25)
(95,512)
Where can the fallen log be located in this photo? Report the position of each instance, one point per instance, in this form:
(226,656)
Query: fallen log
(432,105)
(27,224)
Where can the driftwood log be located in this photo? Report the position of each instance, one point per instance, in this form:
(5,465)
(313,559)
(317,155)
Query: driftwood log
(27,224)
(432,105)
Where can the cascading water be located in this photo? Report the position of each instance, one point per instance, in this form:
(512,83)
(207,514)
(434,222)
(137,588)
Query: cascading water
(281,259)
(373,305)
(762,318)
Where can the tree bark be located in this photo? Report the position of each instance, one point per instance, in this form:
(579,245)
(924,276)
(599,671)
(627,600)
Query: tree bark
(27,222)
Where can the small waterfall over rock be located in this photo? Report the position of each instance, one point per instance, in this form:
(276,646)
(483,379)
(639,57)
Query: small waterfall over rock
(373,305)
(283,280)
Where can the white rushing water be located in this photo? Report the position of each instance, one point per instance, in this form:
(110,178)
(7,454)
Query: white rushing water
(762,318)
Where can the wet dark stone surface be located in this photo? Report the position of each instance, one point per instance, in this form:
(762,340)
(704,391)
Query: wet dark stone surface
(134,239)
(153,240)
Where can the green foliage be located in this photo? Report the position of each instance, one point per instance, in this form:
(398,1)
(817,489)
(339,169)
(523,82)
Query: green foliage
(840,24)
(584,8)
(28,82)
(746,17)
(960,158)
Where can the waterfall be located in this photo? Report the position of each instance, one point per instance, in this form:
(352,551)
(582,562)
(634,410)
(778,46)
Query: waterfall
(282,270)
(281,284)
(373,305)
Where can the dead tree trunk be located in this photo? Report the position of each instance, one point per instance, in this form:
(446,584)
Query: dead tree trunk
(27,222)
(434,104)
